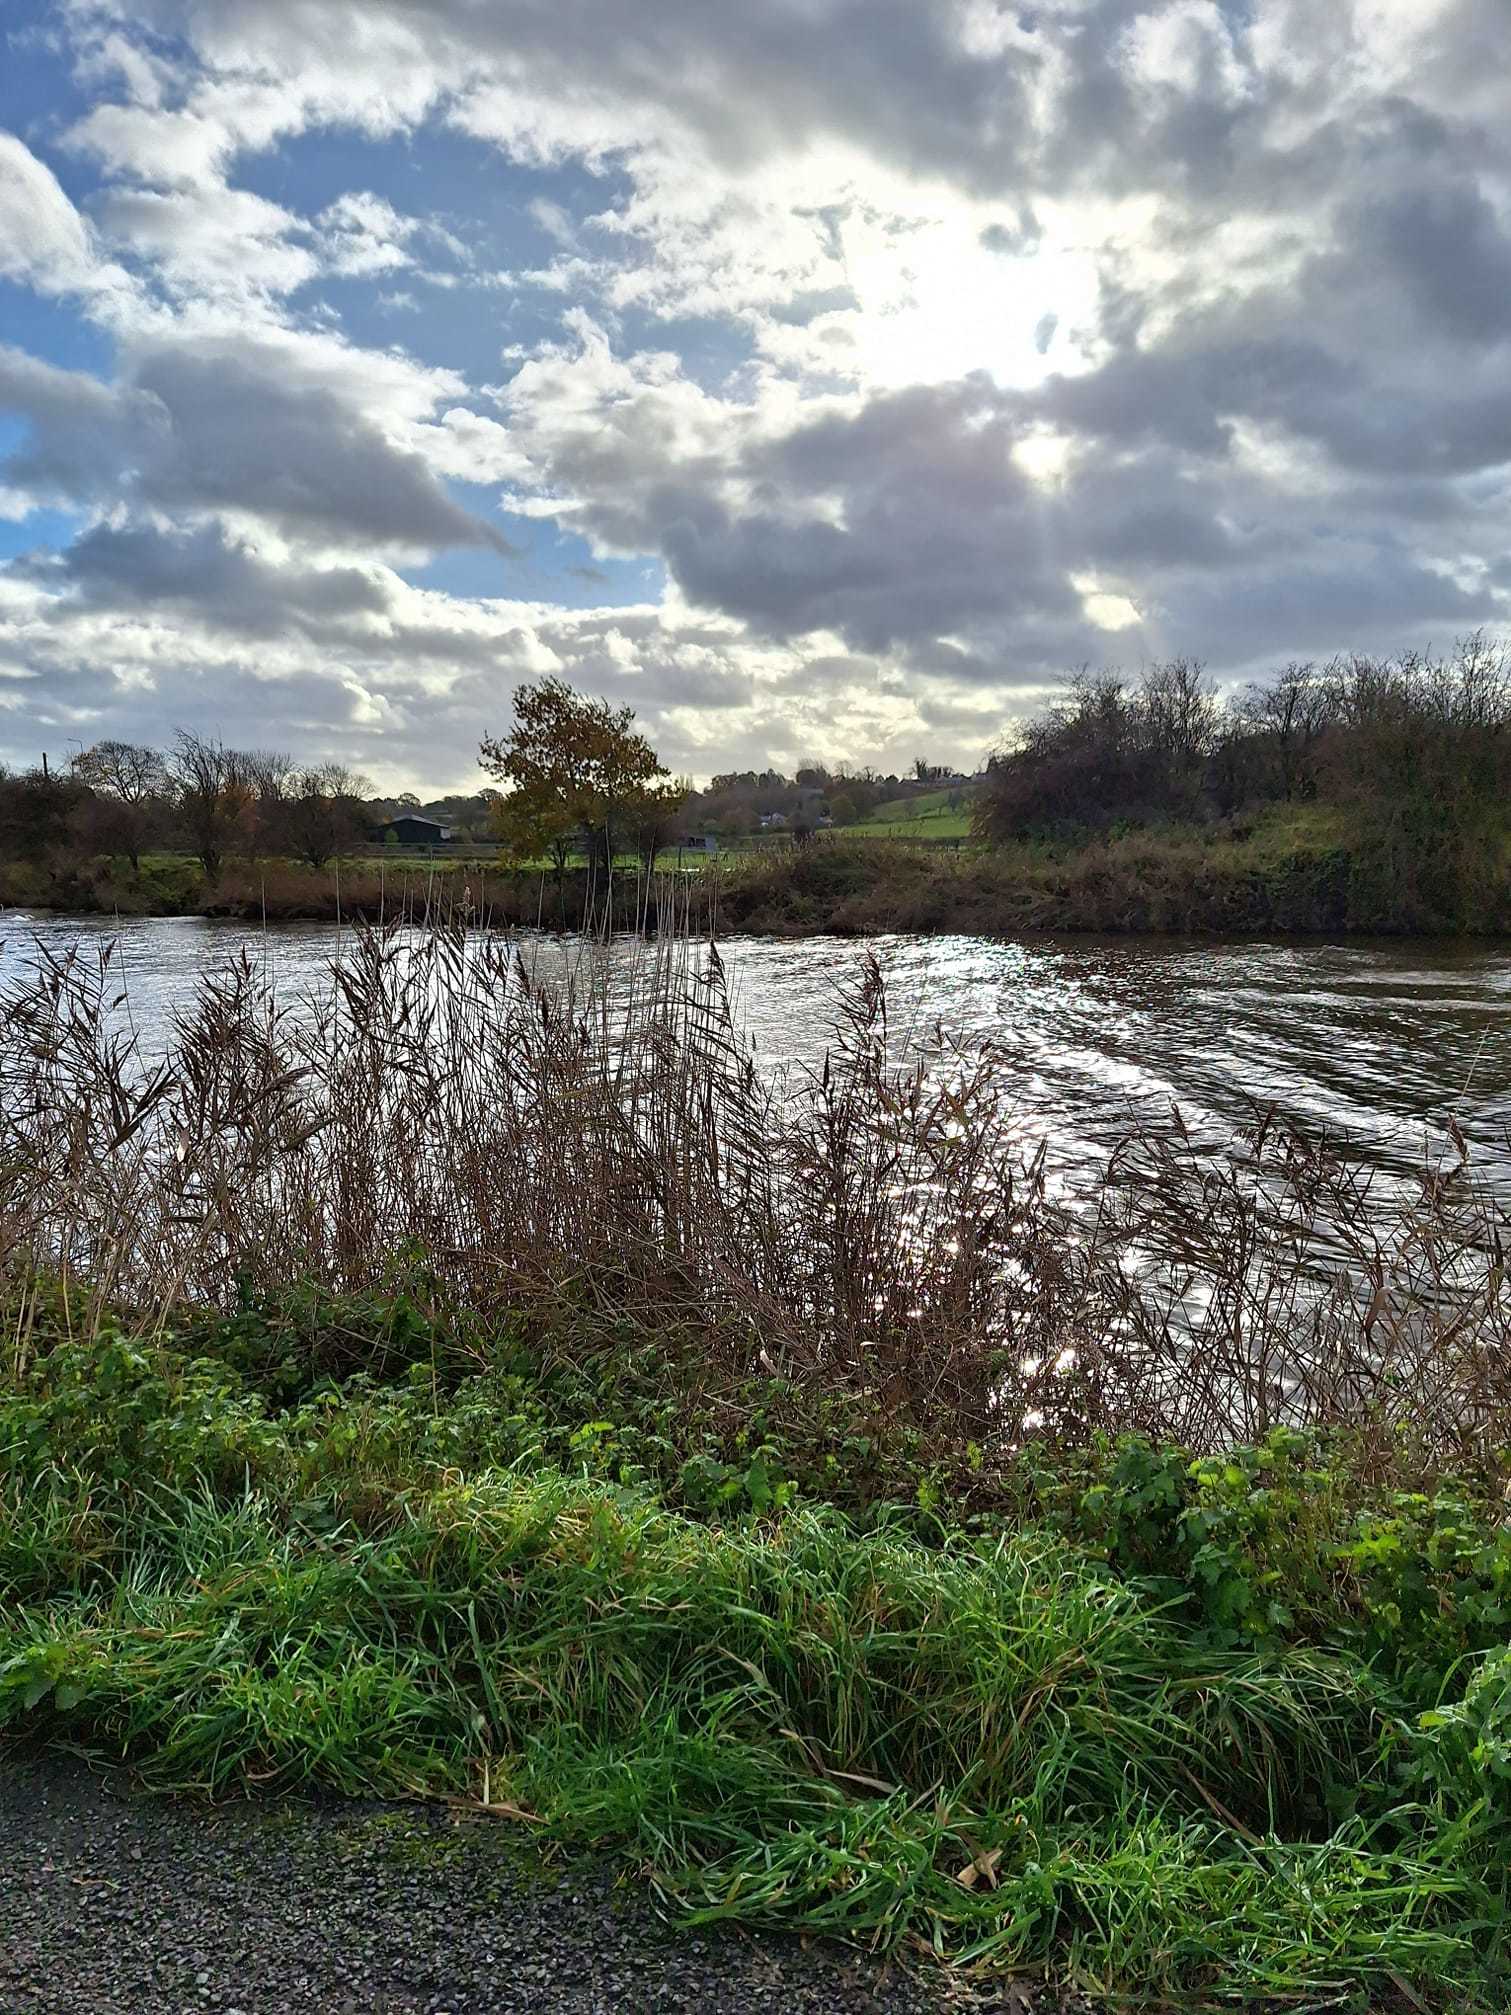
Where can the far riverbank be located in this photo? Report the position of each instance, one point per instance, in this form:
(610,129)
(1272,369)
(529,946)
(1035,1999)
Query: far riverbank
(1303,875)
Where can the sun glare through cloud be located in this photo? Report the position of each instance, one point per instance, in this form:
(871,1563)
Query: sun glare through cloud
(359,361)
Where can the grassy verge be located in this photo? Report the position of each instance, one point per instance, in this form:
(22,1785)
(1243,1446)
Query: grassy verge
(1224,1728)
(164,885)
(944,814)
(1287,871)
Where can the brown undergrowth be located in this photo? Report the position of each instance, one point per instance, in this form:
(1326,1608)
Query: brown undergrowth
(597,1150)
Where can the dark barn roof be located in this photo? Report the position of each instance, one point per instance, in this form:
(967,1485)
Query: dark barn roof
(410,826)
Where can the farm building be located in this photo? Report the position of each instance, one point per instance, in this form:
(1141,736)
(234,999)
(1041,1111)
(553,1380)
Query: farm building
(412,831)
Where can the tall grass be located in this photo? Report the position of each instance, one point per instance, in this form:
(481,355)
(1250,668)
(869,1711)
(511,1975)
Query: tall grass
(311,1316)
(995,1751)
(597,1148)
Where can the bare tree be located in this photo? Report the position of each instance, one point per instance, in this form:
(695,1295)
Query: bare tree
(1177,718)
(1108,751)
(272,779)
(128,789)
(320,812)
(216,796)
(125,770)
(1287,719)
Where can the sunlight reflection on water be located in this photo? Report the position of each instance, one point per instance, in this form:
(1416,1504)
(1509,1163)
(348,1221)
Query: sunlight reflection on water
(1373,1044)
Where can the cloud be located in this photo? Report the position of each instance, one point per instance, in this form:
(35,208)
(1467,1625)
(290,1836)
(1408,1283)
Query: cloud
(405,689)
(237,425)
(921,349)
(1439,246)
(208,239)
(44,242)
(1376,596)
(925,525)
(906,522)
(363,234)
(82,431)
(226,584)
(247,434)
(887,520)
(926,87)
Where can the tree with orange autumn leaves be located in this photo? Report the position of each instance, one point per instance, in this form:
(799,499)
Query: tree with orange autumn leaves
(577,772)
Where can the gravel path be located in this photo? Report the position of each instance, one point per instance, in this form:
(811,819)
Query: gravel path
(114,1904)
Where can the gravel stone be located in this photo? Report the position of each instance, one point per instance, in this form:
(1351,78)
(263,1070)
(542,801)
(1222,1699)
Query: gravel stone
(114,1903)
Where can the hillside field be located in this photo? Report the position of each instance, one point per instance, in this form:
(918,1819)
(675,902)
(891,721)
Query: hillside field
(939,815)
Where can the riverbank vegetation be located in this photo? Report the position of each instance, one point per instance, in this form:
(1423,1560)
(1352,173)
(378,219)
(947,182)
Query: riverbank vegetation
(477,892)
(1407,759)
(474,1386)
(1365,796)
(1283,871)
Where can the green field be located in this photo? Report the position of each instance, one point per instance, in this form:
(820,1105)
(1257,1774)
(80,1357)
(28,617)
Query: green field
(937,815)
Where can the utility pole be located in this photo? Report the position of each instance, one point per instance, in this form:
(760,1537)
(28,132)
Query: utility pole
(44,766)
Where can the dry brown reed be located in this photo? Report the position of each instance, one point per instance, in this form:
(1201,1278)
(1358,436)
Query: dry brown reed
(596,1149)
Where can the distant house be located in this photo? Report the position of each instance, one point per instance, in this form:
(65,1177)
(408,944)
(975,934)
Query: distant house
(412,831)
(773,821)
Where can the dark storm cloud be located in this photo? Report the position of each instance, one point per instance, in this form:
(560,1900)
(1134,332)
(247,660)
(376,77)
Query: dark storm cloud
(1185,392)
(1151,513)
(249,436)
(227,586)
(1393,419)
(937,527)
(1356,598)
(229,425)
(82,433)
(1441,245)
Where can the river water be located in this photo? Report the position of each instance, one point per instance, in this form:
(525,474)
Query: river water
(1374,1044)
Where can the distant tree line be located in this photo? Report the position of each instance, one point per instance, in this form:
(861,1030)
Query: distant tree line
(737,800)
(1163,746)
(198,797)
(1415,748)
(209,800)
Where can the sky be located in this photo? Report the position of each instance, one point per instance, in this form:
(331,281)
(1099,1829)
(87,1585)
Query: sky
(824,379)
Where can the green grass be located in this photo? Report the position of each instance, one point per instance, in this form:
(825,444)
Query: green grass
(944,814)
(1224,1732)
